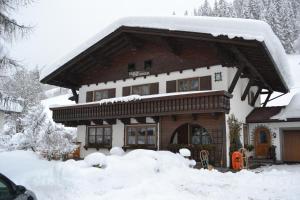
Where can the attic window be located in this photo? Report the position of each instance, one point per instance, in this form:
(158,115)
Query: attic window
(131,67)
(147,65)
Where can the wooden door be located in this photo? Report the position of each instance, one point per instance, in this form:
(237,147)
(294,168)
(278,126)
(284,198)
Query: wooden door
(291,146)
(262,142)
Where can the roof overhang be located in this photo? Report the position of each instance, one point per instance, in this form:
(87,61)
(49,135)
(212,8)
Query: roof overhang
(268,62)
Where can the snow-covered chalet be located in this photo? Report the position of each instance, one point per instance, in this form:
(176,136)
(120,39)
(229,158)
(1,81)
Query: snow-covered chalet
(164,83)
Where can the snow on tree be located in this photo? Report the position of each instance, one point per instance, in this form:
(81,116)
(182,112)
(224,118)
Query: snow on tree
(204,10)
(42,134)
(33,123)
(56,141)
(26,85)
(225,9)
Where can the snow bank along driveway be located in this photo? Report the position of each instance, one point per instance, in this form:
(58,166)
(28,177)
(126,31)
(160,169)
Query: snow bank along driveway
(145,175)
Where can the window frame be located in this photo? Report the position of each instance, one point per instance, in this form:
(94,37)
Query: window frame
(196,78)
(145,145)
(187,79)
(102,144)
(102,90)
(148,85)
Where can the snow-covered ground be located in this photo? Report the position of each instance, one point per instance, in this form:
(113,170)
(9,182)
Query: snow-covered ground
(146,175)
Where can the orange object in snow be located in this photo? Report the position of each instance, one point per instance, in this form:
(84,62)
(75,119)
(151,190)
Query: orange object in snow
(237,161)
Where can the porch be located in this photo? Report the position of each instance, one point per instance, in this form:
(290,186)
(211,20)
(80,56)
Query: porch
(191,120)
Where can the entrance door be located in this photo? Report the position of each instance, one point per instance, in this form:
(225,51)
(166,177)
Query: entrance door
(262,142)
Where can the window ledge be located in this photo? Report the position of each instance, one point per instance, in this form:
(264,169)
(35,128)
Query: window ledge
(151,147)
(100,146)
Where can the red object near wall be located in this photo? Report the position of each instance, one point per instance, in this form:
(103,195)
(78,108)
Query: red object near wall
(237,161)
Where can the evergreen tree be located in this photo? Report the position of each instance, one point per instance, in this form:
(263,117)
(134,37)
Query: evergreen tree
(204,10)
(281,15)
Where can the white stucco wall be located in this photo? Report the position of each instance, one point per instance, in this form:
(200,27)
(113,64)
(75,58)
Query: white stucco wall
(161,79)
(277,129)
(239,108)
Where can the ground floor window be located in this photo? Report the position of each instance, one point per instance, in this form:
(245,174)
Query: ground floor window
(99,135)
(191,134)
(141,135)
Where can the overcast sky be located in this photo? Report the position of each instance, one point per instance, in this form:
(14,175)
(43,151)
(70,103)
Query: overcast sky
(62,25)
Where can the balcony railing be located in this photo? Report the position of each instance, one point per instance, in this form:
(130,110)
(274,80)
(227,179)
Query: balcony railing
(202,102)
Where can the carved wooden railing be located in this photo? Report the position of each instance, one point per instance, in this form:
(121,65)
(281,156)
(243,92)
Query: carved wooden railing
(206,102)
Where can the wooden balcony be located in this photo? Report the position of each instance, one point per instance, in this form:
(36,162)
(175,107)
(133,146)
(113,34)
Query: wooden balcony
(202,102)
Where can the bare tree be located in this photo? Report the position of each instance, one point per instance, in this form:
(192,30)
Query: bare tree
(10,29)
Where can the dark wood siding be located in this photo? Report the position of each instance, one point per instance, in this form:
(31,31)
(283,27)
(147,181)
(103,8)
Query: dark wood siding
(89,96)
(126,91)
(154,88)
(168,125)
(205,83)
(171,86)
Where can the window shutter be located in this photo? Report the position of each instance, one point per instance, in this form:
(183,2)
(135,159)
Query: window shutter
(205,83)
(171,86)
(112,93)
(154,88)
(126,91)
(89,96)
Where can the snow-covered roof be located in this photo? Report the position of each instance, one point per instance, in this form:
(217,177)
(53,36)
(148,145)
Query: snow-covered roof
(9,105)
(232,27)
(292,110)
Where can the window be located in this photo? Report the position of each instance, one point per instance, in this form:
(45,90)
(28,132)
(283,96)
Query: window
(218,76)
(5,191)
(100,94)
(141,135)
(98,136)
(141,89)
(147,65)
(200,135)
(191,84)
(263,137)
(131,67)
(191,134)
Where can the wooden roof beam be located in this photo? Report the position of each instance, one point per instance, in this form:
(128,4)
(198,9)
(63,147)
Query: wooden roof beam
(235,79)
(246,91)
(256,96)
(242,58)
(268,98)
(75,95)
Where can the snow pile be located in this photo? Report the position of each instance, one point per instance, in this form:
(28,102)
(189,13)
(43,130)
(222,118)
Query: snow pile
(95,159)
(292,110)
(117,151)
(232,27)
(148,175)
(185,152)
